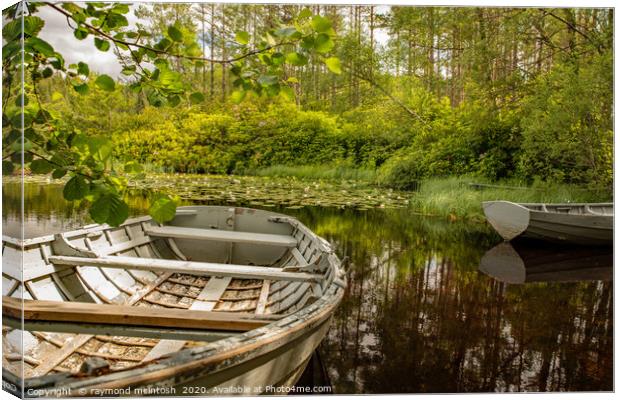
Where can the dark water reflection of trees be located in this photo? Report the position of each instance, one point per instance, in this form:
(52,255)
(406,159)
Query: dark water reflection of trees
(418,315)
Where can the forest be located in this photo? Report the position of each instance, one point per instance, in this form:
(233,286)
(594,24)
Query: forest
(392,96)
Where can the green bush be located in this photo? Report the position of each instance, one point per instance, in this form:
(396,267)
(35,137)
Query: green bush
(403,171)
(567,125)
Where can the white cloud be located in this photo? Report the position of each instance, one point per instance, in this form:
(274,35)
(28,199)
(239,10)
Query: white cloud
(59,34)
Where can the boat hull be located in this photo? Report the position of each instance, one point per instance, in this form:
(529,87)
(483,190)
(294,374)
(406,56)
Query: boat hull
(229,263)
(512,220)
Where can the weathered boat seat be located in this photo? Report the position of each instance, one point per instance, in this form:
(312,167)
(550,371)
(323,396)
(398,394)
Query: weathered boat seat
(60,311)
(222,235)
(208,307)
(187,267)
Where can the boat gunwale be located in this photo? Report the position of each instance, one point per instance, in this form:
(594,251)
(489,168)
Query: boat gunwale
(322,309)
(288,329)
(85,230)
(527,206)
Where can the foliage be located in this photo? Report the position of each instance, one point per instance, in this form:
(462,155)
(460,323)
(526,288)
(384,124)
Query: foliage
(150,60)
(486,93)
(567,129)
(249,138)
(456,198)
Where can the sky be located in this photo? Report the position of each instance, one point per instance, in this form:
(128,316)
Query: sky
(58,33)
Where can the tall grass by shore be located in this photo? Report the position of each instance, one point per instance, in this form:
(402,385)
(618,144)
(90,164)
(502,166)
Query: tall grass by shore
(457,198)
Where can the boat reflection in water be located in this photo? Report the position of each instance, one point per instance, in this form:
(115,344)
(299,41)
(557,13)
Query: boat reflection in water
(524,261)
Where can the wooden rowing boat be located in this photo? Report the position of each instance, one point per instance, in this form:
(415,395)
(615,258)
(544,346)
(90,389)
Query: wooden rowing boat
(221,300)
(587,224)
(521,262)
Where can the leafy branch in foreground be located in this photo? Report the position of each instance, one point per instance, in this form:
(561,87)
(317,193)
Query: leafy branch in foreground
(88,162)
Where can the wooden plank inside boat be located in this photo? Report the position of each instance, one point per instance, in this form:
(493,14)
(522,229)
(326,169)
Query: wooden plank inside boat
(126,315)
(222,236)
(172,299)
(186,267)
(206,301)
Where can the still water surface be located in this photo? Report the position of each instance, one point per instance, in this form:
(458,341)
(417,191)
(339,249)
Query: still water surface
(419,315)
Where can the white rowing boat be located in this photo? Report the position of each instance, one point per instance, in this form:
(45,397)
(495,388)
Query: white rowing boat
(588,224)
(221,299)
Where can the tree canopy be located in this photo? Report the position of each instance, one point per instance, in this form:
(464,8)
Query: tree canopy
(407,92)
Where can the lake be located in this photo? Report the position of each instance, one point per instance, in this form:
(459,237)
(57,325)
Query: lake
(419,315)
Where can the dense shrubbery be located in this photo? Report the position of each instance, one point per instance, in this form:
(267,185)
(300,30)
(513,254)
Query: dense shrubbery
(242,140)
(560,132)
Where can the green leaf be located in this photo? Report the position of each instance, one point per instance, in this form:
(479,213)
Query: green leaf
(59,173)
(170,79)
(100,147)
(194,50)
(47,72)
(7,167)
(173,100)
(277,58)
(296,59)
(265,59)
(161,63)
(16,120)
(83,69)
(196,98)
(81,89)
(163,209)
(129,70)
(321,24)
(116,21)
(21,100)
(267,80)
(80,33)
(307,43)
(285,32)
(13,30)
(121,8)
(305,13)
(237,96)
(162,45)
(154,98)
(41,166)
(242,37)
(40,46)
(105,82)
(101,44)
(175,34)
(109,208)
(333,64)
(77,188)
(323,43)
